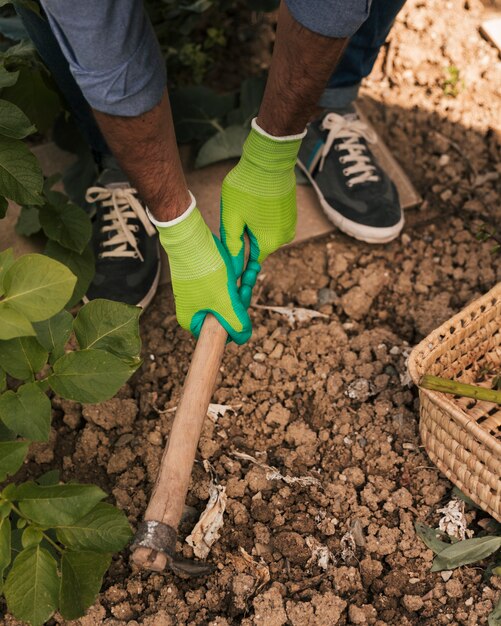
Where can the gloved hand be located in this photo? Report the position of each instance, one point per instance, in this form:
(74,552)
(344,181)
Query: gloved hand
(203,280)
(259,198)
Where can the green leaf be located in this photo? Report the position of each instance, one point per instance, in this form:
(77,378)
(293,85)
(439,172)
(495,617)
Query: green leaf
(465,552)
(5,509)
(31,537)
(12,455)
(6,260)
(13,28)
(38,287)
(198,112)
(104,529)
(32,93)
(21,178)
(82,266)
(57,504)
(67,224)
(27,412)
(7,79)
(53,334)
(28,4)
(6,434)
(32,586)
(13,324)
(494,618)
(251,94)
(110,326)
(3,380)
(223,145)
(49,478)
(89,375)
(4,547)
(13,122)
(430,536)
(22,357)
(32,5)
(24,51)
(462,496)
(81,579)
(28,222)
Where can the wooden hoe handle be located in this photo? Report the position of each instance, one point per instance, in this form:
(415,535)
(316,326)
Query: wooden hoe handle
(155,543)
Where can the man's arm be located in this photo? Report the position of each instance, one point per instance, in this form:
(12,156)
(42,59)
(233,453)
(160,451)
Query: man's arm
(259,195)
(145,146)
(302,63)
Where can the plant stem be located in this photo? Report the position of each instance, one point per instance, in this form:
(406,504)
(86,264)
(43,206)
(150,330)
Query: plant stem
(45,536)
(435,383)
(53,543)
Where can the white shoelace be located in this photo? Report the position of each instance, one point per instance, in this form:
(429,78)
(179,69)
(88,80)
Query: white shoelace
(352,130)
(122,206)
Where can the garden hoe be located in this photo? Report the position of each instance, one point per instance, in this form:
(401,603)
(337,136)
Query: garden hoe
(154,545)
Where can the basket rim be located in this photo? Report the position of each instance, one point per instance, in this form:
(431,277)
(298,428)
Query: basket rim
(424,344)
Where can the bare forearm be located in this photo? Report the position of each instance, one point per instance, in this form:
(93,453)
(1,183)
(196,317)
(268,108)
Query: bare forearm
(301,65)
(145,147)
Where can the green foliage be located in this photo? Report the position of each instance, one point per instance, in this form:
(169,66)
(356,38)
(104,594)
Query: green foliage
(29,102)
(81,578)
(466,552)
(110,326)
(63,534)
(220,123)
(495,616)
(21,178)
(89,375)
(453,553)
(487,232)
(31,587)
(453,84)
(36,287)
(190,42)
(13,122)
(26,412)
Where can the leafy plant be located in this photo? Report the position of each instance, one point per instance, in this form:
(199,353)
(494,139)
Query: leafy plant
(487,232)
(218,124)
(453,83)
(56,540)
(190,42)
(451,553)
(66,225)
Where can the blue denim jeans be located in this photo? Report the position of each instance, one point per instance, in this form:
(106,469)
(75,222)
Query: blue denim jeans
(360,54)
(132,62)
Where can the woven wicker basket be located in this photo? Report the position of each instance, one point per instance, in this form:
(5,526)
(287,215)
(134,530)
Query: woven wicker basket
(463,436)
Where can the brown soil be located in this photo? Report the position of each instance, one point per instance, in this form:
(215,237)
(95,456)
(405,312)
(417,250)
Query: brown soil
(328,398)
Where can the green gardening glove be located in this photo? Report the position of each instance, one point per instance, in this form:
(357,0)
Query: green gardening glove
(259,198)
(203,280)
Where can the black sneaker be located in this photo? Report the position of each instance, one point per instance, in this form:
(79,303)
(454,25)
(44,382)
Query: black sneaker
(355,193)
(125,243)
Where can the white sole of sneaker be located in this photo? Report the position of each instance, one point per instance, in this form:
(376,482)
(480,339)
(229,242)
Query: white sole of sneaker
(153,289)
(369,234)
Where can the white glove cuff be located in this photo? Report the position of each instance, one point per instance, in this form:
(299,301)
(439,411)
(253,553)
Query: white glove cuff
(176,220)
(258,129)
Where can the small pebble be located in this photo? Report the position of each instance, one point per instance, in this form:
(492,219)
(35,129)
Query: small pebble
(155,438)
